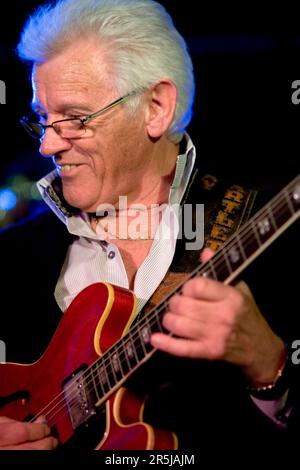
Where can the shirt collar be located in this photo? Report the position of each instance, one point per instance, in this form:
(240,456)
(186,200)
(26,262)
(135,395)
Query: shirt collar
(184,167)
(50,188)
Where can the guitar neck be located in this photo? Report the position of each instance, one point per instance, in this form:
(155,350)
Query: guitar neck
(111,370)
(246,244)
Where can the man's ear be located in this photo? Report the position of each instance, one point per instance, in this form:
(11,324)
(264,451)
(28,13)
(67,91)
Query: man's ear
(161,108)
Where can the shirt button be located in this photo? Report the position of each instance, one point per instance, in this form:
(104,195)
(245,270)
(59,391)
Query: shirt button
(111,254)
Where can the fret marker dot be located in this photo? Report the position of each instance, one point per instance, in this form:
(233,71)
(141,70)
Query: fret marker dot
(296,194)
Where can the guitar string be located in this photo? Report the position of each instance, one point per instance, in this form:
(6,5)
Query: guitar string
(113,373)
(106,354)
(73,401)
(156,312)
(115,348)
(149,319)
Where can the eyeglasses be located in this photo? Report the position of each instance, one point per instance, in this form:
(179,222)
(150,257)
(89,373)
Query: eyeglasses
(70,128)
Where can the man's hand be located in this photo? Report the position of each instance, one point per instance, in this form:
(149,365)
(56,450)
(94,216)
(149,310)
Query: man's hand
(16,435)
(213,321)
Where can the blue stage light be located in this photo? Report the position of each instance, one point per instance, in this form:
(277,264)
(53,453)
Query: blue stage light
(8,199)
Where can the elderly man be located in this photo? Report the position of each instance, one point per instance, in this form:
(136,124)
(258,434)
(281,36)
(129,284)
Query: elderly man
(113,89)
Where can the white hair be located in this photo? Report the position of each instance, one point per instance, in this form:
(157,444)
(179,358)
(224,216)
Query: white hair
(143,43)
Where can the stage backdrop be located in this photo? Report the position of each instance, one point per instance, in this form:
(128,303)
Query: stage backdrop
(246,114)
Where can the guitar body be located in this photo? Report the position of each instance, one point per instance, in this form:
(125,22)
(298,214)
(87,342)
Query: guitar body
(86,363)
(125,429)
(95,320)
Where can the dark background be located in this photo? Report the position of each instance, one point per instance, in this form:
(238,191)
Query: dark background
(245,124)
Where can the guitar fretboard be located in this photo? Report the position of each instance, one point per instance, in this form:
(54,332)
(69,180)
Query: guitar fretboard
(109,372)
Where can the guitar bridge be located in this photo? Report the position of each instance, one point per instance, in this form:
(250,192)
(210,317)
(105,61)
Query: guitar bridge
(79,398)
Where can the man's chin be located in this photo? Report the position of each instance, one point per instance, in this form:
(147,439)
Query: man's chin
(78,201)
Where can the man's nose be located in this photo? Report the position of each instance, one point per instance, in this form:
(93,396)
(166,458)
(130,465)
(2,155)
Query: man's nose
(52,143)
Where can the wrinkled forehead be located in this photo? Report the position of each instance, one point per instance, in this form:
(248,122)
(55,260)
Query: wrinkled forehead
(80,71)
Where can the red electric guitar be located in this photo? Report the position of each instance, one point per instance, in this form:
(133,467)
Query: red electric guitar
(94,349)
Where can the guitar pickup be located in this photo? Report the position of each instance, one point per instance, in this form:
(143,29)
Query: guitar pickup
(79,398)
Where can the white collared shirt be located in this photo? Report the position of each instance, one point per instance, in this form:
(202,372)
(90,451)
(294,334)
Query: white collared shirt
(92,259)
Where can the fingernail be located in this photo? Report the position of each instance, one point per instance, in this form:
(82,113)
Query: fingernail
(41,420)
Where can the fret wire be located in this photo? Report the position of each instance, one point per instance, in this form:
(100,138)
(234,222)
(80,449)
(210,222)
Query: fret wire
(126,355)
(142,342)
(274,223)
(140,334)
(94,385)
(149,332)
(133,346)
(114,354)
(148,323)
(48,413)
(157,313)
(104,366)
(240,244)
(158,316)
(137,343)
(147,320)
(112,369)
(246,233)
(254,229)
(290,205)
(97,369)
(211,264)
(248,227)
(120,362)
(259,216)
(227,261)
(242,251)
